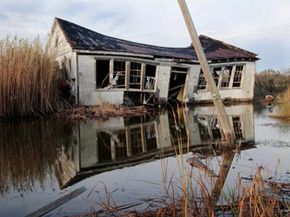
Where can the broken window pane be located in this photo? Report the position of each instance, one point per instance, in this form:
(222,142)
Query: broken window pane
(226,76)
(102,73)
(203,128)
(216,73)
(119,74)
(201,85)
(215,129)
(238,128)
(238,76)
(150,77)
(135,75)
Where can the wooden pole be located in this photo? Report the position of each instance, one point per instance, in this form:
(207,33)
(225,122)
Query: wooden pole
(224,121)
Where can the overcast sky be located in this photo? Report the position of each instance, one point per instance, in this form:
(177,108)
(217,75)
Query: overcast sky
(261,26)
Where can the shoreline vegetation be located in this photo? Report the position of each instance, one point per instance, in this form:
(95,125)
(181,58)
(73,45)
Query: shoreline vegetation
(29,79)
(103,112)
(260,195)
(270,82)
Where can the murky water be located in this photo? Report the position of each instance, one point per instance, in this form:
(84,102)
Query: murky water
(132,161)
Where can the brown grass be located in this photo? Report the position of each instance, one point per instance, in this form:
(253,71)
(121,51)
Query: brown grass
(103,112)
(28,84)
(283,111)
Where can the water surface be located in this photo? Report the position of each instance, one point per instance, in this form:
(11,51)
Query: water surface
(132,160)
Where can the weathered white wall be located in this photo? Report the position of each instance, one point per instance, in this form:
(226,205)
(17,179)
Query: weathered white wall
(88,94)
(191,81)
(163,78)
(60,48)
(243,93)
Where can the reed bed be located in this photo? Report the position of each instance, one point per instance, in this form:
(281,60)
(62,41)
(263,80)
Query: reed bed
(29,79)
(283,108)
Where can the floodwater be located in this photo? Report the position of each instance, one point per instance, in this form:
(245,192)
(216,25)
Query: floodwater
(133,162)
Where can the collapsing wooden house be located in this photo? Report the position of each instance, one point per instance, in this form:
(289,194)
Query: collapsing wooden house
(103,69)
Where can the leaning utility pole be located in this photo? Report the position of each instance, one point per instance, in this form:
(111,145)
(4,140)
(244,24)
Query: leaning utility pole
(223,118)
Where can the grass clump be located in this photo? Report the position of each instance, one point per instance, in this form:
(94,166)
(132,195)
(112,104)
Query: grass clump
(29,79)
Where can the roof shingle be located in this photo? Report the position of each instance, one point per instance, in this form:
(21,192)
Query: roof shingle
(85,39)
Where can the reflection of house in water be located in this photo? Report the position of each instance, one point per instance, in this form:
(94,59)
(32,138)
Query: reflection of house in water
(120,142)
(241,120)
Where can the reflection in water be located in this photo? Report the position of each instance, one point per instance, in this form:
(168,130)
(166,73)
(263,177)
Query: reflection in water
(29,152)
(121,142)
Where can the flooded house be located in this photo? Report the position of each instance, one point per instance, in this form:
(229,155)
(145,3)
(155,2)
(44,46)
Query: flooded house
(102,69)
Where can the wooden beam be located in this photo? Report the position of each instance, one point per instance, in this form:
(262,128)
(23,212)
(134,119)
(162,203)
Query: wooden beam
(46,209)
(225,167)
(111,71)
(225,123)
(127,75)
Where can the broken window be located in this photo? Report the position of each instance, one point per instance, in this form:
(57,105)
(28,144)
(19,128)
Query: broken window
(150,136)
(119,74)
(238,76)
(135,75)
(177,83)
(216,73)
(136,139)
(150,77)
(203,128)
(215,129)
(102,73)
(226,76)
(201,85)
(238,128)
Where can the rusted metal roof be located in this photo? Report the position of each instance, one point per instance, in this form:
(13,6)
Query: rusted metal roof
(81,38)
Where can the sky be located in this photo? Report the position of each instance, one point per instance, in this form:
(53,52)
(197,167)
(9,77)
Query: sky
(261,26)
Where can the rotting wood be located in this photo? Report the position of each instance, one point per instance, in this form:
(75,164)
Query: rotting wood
(224,121)
(46,209)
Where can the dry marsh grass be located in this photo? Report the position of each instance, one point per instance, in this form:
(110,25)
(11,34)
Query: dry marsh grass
(29,79)
(283,109)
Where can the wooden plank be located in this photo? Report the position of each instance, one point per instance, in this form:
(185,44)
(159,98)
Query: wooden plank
(224,120)
(46,209)
(127,75)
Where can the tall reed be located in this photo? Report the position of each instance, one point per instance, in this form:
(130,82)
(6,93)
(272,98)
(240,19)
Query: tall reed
(28,79)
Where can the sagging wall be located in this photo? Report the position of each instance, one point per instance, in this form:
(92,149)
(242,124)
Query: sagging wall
(243,93)
(88,94)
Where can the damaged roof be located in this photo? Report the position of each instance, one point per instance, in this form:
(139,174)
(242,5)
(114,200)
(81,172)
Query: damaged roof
(81,38)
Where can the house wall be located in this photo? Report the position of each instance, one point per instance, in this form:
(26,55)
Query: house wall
(88,94)
(243,93)
(163,77)
(64,55)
